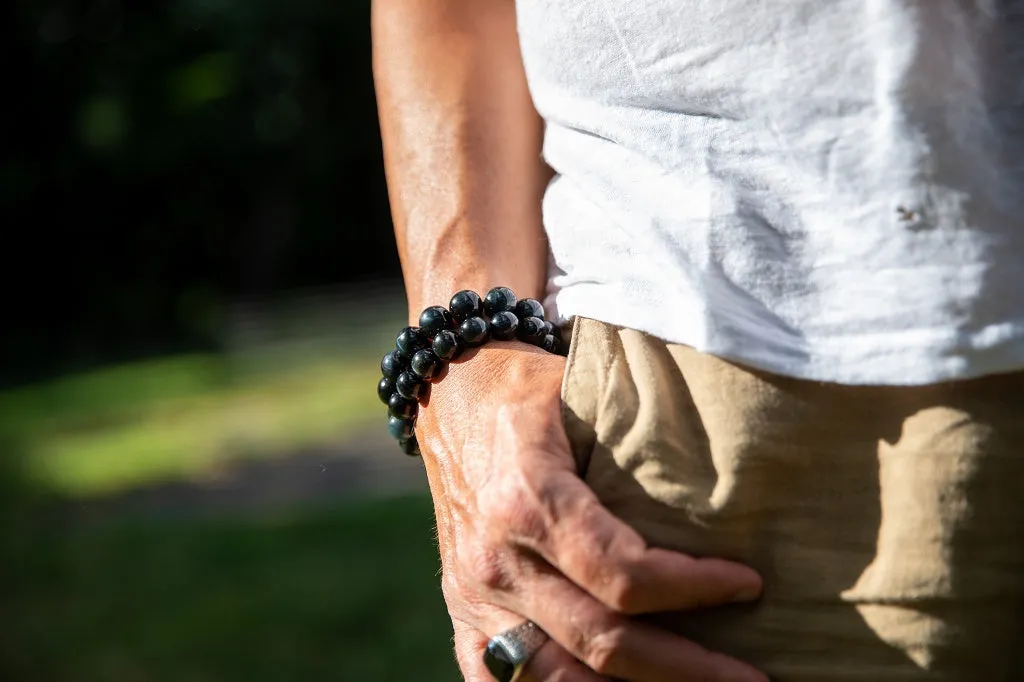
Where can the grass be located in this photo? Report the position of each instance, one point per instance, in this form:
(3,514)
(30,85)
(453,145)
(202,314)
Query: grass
(343,594)
(183,417)
(204,417)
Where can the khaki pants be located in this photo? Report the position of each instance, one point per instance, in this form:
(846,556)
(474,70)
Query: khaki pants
(888,522)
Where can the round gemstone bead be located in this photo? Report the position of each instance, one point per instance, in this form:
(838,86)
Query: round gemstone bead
(474,331)
(385,389)
(447,345)
(410,446)
(393,364)
(403,408)
(434,319)
(553,329)
(529,307)
(399,428)
(549,343)
(498,300)
(531,330)
(411,386)
(410,340)
(504,325)
(426,364)
(465,304)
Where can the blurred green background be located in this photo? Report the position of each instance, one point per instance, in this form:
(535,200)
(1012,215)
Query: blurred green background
(201,278)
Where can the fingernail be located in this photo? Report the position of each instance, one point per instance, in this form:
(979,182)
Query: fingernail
(747,595)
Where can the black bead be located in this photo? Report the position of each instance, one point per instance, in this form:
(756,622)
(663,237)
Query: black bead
(553,329)
(531,330)
(385,389)
(465,304)
(403,408)
(550,344)
(529,307)
(410,340)
(504,325)
(434,319)
(498,300)
(393,364)
(410,446)
(399,428)
(426,364)
(447,345)
(411,386)
(474,331)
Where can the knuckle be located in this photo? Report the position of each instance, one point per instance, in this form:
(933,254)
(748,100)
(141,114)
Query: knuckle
(513,516)
(613,574)
(458,600)
(623,593)
(604,651)
(486,567)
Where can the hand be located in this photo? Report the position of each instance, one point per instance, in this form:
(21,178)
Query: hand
(522,537)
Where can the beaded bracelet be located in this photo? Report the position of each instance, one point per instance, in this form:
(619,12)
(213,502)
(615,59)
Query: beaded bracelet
(422,354)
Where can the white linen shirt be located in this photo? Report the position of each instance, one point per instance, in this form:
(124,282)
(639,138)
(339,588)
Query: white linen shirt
(824,189)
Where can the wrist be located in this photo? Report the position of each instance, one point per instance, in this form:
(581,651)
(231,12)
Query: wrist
(424,355)
(468,256)
(437,290)
(505,391)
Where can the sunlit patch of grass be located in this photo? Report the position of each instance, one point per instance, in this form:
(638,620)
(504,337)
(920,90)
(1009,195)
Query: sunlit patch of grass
(184,417)
(189,435)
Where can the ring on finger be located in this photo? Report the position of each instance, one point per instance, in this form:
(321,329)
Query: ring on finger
(508,652)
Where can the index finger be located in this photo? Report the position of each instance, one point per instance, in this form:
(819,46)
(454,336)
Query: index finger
(611,561)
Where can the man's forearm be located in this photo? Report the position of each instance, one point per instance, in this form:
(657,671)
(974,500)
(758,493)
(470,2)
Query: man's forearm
(461,147)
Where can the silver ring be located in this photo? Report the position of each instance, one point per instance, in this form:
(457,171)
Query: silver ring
(508,652)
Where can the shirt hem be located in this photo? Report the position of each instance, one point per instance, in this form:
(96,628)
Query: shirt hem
(889,359)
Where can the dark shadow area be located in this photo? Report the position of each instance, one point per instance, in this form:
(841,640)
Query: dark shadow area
(170,171)
(162,160)
(312,566)
(342,592)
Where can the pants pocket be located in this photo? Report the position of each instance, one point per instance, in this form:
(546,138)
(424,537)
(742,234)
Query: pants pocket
(578,396)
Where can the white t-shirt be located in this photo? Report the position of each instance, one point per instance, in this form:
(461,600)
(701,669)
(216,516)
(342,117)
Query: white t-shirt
(826,189)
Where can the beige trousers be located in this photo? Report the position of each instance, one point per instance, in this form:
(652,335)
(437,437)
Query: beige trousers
(888,522)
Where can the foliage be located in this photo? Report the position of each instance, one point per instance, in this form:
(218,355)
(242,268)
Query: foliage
(162,159)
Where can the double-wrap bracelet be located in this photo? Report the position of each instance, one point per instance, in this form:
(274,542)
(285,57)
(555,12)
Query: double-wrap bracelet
(422,354)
